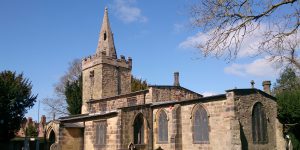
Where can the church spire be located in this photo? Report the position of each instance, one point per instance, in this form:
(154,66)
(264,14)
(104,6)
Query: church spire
(106,40)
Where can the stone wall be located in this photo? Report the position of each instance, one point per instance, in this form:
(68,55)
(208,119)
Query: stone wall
(113,103)
(171,93)
(220,114)
(111,134)
(104,77)
(128,115)
(244,103)
(115,80)
(280,141)
(91,87)
(72,139)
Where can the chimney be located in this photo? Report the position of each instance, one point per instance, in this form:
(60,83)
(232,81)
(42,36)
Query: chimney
(266,85)
(43,119)
(30,120)
(176,79)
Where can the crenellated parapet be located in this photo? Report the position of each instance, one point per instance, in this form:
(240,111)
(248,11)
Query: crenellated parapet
(104,74)
(102,58)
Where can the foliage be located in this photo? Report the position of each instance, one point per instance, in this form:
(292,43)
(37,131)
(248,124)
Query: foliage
(31,131)
(138,84)
(287,90)
(288,80)
(15,100)
(73,93)
(228,24)
(73,74)
(295,136)
(289,106)
(57,105)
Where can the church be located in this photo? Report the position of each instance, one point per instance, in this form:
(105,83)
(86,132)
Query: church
(162,117)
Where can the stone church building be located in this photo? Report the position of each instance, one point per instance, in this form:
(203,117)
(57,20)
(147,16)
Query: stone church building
(165,117)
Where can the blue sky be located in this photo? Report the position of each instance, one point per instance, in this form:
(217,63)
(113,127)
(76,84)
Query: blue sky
(40,38)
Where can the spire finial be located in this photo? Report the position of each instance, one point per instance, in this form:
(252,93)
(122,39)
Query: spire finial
(106,41)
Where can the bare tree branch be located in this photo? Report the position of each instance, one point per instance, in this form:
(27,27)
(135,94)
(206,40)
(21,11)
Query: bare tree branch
(57,104)
(229,22)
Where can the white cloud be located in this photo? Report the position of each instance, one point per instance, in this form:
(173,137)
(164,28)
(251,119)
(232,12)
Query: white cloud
(261,67)
(236,69)
(249,47)
(127,12)
(193,41)
(208,93)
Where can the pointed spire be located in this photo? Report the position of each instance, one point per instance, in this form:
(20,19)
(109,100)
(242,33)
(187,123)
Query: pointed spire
(106,40)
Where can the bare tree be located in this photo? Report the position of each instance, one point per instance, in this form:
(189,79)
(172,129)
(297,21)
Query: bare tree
(73,73)
(228,23)
(57,104)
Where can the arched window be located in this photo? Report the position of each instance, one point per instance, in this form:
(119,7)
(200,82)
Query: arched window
(138,128)
(200,126)
(259,124)
(52,138)
(163,127)
(101,133)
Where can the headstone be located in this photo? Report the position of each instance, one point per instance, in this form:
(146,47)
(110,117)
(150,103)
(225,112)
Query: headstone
(159,148)
(54,146)
(131,147)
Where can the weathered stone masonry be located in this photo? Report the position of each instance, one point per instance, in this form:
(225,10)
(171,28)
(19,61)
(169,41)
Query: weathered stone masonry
(131,119)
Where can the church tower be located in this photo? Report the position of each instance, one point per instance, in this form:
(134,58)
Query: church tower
(103,74)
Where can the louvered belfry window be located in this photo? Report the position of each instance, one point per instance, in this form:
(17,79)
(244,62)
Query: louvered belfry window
(200,126)
(259,124)
(163,127)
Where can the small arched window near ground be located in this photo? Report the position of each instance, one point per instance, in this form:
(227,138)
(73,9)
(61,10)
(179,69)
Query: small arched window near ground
(200,125)
(162,127)
(101,133)
(259,124)
(138,127)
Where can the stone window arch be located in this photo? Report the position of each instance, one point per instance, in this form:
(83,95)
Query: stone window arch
(162,127)
(138,129)
(52,137)
(200,125)
(259,124)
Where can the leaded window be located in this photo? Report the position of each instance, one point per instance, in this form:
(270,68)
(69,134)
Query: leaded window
(101,133)
(200,126)
(163,127)
(259,124)
(138,128)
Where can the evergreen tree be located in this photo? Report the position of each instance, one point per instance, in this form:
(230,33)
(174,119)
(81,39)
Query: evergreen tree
(31,131)
(288,80)
(15,100)
(73,93)
(138,84)
(287,90)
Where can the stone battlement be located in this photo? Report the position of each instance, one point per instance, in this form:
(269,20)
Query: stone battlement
(96,59)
